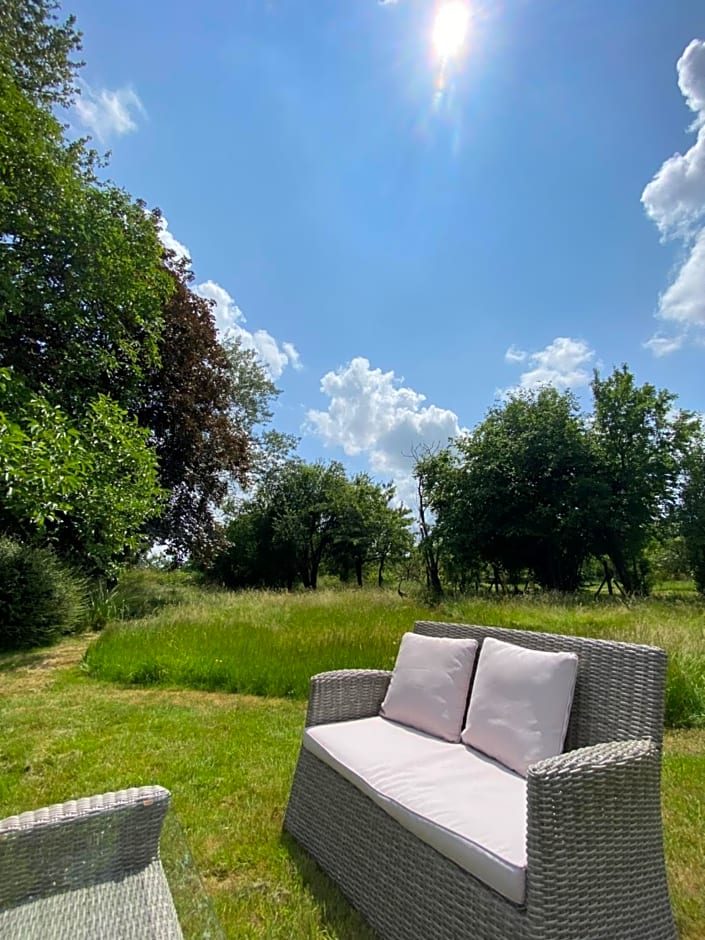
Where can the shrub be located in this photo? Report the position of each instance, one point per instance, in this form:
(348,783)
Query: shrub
(40,598)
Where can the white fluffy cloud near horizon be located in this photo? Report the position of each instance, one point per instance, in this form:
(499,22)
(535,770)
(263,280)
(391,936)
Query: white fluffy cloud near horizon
(563,363)
(107,113)
(675,201)
(370,412)
(230,320)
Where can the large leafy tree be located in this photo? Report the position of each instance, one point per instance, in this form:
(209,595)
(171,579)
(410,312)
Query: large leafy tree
(516,493)
(640,441)
(82,283)
(82,287)
(202,403)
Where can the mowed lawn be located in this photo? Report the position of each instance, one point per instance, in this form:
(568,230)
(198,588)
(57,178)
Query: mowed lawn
(228,757)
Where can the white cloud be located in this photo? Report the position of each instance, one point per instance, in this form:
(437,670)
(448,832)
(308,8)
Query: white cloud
(108,113)
(562,363)
(675,200)
(661,345)
(513,354)
(371,413)
(684,300)
(168,240)
(691,78)
(229,319)
(675,197)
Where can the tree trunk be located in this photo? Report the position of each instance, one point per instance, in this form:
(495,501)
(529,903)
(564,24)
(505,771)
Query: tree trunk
(358,571)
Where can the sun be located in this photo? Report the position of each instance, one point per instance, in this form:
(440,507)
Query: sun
(450,28)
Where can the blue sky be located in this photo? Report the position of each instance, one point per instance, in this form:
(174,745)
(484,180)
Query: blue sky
(397,254)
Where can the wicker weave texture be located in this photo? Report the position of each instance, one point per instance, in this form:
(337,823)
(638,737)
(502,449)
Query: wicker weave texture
(87,869)
(594,837)
(330,698)
(403,887)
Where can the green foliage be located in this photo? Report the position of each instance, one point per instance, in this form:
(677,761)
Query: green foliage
(40,598)
(201,403)
(82,285)
(86,487)
(536,488)
(37,49)
(303,516)
(692,515)
(640,443)
(518,492)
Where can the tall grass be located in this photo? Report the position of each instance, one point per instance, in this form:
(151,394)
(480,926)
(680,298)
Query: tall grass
(269,643)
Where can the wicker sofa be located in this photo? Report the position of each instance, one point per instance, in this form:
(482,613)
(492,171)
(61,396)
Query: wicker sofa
(88,869)
(593,835)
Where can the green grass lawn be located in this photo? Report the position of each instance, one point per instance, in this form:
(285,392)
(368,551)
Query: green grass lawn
(269,643)
(228,758)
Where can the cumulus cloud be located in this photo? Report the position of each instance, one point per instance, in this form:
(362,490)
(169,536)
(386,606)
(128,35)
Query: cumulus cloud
(684,300)
(675,201)
(370,412)
(108,113)
(167,239)
(563,364)
(229,319)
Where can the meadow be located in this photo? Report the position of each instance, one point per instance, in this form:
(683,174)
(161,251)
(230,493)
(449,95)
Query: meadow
(204,692)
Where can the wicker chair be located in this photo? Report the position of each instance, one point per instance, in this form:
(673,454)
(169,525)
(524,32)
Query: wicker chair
(87,870)
(595,864)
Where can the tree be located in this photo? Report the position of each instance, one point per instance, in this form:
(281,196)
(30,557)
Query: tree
(370,529)
(302,516)
(201,402)
(38,48)
(306,504)
(640,441)
(692,514)
(85,487)
(82,283)
(516,493)
(426,471)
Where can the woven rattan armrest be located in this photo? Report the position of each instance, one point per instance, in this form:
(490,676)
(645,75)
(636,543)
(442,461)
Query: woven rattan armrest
(594,836)
(346,694)
(87,868)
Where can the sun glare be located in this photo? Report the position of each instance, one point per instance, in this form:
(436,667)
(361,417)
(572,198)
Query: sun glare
(450,28)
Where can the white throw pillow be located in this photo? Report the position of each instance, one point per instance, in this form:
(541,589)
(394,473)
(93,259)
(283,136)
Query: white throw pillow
(430,683)
(520,703)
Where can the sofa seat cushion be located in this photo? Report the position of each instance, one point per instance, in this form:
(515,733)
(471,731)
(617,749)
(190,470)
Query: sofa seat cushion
(466,806)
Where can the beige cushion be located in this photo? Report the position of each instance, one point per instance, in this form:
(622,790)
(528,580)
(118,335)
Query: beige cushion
(430,683)
(467,807)
(520,703)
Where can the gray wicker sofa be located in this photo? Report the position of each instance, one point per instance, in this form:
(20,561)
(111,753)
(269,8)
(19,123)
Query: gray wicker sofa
(88,869)
(594,866)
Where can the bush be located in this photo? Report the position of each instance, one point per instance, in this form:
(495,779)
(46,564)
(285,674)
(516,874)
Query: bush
(40,598)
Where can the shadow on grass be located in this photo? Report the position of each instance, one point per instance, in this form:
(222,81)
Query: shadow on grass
(342,919)
(11,661)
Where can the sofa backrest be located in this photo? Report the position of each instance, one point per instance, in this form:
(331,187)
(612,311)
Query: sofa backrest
(620,687)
